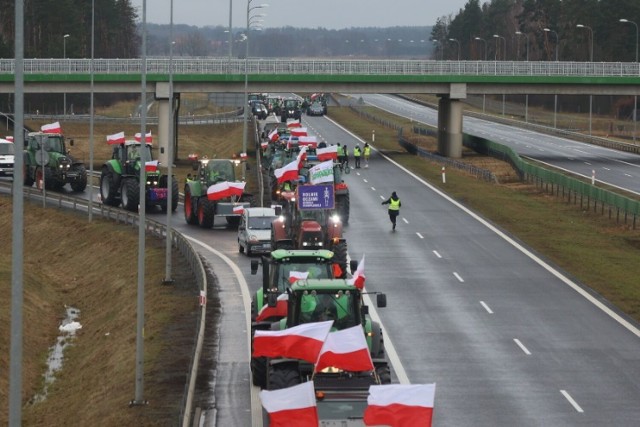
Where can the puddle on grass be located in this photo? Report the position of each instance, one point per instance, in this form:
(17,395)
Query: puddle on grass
(55,359)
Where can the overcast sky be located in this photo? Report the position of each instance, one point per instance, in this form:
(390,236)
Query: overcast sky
(331,14)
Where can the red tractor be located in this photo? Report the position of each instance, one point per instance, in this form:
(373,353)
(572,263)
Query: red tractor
(300,228)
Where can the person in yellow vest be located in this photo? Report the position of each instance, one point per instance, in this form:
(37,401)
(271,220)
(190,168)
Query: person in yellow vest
(394,208)
(367,152)
(356,155)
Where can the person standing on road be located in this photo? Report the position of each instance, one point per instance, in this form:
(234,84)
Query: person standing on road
(367,152)
(356,155)
(394,208)
(345,155)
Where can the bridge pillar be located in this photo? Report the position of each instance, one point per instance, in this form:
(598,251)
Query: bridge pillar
(165,115)
(450,121)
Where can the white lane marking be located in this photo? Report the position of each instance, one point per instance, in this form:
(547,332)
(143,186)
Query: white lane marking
(373,188)
(573,402)
(522,347)
(607,169)
(365,180)
(358,173)
(437,254)
(587,163)
(626,174)
(458,277)
(405,221)
(382,197)
(570,158)
(420,235)
(486,307)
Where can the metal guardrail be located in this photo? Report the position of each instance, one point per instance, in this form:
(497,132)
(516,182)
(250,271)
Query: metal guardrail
(179,242)
(226,66)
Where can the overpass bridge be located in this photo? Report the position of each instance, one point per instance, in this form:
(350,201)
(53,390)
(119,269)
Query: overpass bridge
(451,81)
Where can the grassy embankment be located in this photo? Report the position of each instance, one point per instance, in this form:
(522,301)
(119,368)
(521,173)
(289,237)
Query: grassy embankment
(593,249)
(93,267)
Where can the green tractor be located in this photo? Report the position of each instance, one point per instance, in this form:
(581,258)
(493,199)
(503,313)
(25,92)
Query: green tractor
(312,300)
(120,179)
(47,160)
(200,208)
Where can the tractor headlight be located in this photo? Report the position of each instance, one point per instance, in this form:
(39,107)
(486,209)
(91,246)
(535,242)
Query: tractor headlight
(335,219)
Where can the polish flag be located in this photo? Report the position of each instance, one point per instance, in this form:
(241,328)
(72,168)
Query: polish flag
(151,166)
(238,210)
(236,188)
(288,172)
(308,141)
(328,153)
(280,310)
(9,138)
(300,342)
(302,156)
(51,128)
(116,138)
(293,124)
(347,350)
(218,191)
(243,156)
(291,407)
(148,137)
(400,405)
(273,136)
(297,275)
(299,131)
(358,276)
(264,145)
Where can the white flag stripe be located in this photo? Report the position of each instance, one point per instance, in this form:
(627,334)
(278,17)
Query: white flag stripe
(297,397)
(403,394)
(316,330)
(239,185)
(345,341)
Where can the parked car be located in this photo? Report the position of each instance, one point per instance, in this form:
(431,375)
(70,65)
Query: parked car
(259,110)
(315,109)
(6,157)
(254,231)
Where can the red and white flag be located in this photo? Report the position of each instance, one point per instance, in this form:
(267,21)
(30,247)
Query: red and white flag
(273,136)
(302,156)
(327,153)
(147,138)
(308,141)
(264,145)
(300,342)
(358,276)
(116,138)
(299,131)
(151,166)
(291,407)
(293,124)
(297,275)
(243,156)
(9,138)
(400,405)
(347,350)
(218,191)
(280,310)
(51,128)
(236,188)
(288,172)
(238,210)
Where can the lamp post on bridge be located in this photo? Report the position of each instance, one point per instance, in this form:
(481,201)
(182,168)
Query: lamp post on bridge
(526,36)
(555,97)
(635,97)
(458,43)
(484,96)
(504,55)
(64,56)
(590,60)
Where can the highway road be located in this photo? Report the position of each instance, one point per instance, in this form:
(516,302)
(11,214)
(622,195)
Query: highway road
(507,338)
(611,167)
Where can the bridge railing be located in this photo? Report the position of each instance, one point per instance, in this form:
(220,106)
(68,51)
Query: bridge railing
(196,65)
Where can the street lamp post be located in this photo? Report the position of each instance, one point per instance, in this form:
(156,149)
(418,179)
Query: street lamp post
(555,97)
(64,56)
(485,45)
(458,43)
(246,80)
(635,97)
(504,55)
(590,60)
(520,33)
(526,97)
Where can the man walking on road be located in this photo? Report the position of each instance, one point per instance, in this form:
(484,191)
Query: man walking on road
(394,208)
(356,155)
(367,152)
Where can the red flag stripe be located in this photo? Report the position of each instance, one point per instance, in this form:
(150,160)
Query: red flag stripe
(300,342)
(397,415)
(355,361)
(305,417)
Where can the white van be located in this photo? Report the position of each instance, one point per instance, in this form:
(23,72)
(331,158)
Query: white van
(254,231)
(6,157)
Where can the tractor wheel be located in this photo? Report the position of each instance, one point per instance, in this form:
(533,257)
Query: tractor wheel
(259,371)
(384,373)
(130,194)
(340,257)
(343,207)
(283,376)
(377,344)
(81,183)
(175,194)
(254,308)
(189,211)
(205,213)
(240,247)
(108,190)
